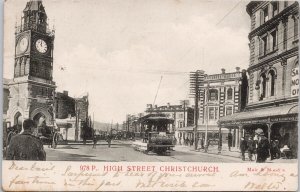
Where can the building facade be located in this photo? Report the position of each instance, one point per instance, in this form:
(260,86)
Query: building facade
(273,74)
(64,105)
(72,118)
(32,88)
(183,115)
(221,95)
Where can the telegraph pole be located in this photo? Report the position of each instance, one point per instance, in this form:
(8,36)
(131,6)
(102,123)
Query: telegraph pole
(196,82)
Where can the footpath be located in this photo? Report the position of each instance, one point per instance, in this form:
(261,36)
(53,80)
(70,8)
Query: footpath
(233,153)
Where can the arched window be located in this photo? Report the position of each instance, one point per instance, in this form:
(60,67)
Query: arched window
(213,95)
(271,79)
(229,94)
(263,86)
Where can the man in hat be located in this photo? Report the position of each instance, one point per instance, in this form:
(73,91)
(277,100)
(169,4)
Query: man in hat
(263,148)
(25,146)
(251,148)
(243,147)
(229,138)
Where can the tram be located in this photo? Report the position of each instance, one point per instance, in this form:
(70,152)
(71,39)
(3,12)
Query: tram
(156,136)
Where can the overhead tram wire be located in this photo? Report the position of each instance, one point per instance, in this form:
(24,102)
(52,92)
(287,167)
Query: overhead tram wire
(235,6)
(157,90)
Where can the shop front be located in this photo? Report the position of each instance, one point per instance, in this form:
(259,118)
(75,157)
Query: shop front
(279,124)
(186,134)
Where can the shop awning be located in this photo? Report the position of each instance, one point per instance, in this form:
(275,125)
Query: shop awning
(63,123)
(199,128)
(273,114)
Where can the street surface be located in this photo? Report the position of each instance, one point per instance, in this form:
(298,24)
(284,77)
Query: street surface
(122,151)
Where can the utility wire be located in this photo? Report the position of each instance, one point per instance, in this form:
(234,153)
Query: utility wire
(229,12)
(157,90)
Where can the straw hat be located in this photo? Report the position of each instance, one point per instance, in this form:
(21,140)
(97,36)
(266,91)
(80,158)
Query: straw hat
(259,131)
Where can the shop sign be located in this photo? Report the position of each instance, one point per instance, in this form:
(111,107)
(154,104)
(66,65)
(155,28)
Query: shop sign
(295,82)
(281,119)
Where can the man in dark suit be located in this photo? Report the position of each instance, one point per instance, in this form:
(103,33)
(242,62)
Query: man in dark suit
(243,147)
(263,148)
(25,146)
(229,138)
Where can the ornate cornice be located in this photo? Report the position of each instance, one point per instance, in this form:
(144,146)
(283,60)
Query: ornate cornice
(289,53)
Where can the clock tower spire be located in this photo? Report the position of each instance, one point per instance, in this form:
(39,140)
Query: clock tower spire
(32,89)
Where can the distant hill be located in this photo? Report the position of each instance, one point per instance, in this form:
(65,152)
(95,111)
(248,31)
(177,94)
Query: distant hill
(105,126)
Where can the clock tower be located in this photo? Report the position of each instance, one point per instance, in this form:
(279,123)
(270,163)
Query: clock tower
(32,88)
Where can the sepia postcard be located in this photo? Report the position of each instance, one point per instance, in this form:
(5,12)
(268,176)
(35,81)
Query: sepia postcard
(128,95)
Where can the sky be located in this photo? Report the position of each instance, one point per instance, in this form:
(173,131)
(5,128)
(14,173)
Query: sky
(117,51)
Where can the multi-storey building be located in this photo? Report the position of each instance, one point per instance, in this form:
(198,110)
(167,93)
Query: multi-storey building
(64,105)
(273,74)
(72,116)
(183,115)
(222,95)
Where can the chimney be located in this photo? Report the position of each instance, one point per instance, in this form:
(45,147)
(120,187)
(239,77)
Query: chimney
(168,105)
(237,69)
(223,70)
(69,116)
(155,106)
(149,106)
(65,93)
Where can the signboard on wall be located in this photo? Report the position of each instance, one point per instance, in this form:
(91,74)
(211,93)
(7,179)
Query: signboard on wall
(295,82)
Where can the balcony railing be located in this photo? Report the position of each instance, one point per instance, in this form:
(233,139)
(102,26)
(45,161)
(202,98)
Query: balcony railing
(223,76)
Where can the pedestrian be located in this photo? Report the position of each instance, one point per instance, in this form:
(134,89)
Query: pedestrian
(187,141)
(191,141)
(274,149)
(243,147)
(109,140)
(95,140)
(229,138)
(251,148)
(202,143)
(12,132)
(55,139)
(263,148)
(25,146)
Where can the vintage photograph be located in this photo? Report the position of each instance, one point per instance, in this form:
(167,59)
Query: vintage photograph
(151,81)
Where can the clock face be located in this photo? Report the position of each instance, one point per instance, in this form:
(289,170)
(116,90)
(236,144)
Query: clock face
(23,44)
(41,46)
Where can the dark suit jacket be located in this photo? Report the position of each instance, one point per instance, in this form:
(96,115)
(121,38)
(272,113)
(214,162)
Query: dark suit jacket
(25,146)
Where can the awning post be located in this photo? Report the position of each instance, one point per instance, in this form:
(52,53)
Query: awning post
(240,134)
(269,131)
(220,141)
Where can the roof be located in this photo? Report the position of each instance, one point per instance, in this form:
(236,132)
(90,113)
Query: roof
(158,120)
(154,118)
(200,128)
(34,5)
(261,113)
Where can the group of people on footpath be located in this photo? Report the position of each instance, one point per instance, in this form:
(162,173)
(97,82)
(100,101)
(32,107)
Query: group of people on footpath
(257,146)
